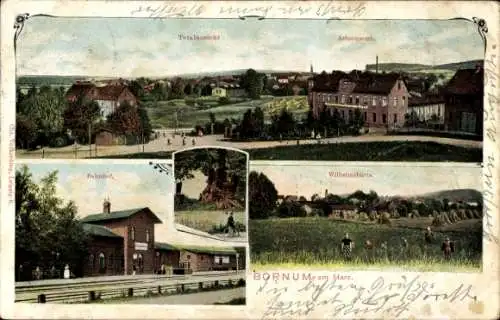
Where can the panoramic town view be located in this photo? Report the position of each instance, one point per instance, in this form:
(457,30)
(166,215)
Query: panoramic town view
(366,217)
(266,87)
(101,233)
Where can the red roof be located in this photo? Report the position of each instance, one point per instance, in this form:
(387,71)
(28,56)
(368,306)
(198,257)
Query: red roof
(110,92)
(366,82)
(466,81)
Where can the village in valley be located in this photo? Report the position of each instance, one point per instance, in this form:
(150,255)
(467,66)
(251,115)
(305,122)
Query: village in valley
(388,111)
(383,226)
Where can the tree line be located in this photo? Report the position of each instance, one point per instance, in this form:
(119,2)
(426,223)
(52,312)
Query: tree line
(263,202)
(48,233)
(44,117)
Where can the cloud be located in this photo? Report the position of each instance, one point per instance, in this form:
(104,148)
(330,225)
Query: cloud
(136,48)
(390,180)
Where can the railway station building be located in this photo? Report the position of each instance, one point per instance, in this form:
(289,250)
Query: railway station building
(123,242)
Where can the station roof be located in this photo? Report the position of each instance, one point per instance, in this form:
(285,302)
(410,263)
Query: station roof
(118,215)
(195,249)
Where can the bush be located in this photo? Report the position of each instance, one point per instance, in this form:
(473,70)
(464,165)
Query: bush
(224,101)
(58,142)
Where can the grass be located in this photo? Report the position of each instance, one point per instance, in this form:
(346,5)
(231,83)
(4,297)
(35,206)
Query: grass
(315,241)
(162,113)
(351,151)
(370,151)
(207,220)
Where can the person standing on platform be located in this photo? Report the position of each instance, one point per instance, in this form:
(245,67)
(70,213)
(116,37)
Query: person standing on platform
(67,273)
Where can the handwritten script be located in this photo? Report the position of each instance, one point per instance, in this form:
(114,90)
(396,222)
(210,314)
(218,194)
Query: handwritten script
(349,299)
(329,10)
(490,163)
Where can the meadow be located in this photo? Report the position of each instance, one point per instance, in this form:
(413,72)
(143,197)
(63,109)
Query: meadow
(370,151)
(162,113)
(211,221)
(349,151)
(315,242)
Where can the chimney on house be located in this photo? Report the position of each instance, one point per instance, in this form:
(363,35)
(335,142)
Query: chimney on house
(106,207)
(376,65)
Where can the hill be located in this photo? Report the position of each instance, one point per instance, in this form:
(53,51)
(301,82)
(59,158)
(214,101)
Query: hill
(411,67)
(454,195)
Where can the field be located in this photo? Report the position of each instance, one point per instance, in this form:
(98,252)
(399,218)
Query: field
(371,151)
(210,221)
(315,242)
(162,113)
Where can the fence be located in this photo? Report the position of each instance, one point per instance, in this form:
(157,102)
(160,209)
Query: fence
(94,291)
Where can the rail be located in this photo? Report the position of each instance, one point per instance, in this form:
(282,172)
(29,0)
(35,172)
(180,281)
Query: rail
(88,292)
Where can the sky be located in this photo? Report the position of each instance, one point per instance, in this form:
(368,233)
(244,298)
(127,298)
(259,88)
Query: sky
(391,180)
(128,186)
(134,47)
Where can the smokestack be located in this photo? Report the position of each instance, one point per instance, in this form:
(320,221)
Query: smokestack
(106,207)
(376,65)
(326,193)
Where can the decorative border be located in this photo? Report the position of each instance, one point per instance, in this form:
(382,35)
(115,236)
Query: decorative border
(482,28)
(19,26)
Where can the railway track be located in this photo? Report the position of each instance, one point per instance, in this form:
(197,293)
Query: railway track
(89,290)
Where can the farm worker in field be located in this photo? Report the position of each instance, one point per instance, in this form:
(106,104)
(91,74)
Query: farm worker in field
(67,273)
(169,142)
(230,223)
(346,246)
(428,236)
(193,142)
(183,141)
(369,250)
(447,247)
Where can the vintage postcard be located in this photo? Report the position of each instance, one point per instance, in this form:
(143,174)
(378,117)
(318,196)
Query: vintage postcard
(211,192)
(249,160)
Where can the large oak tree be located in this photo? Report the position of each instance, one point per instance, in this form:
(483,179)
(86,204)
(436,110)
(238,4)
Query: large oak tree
(225,171)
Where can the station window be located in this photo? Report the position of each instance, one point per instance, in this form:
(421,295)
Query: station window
(132,233)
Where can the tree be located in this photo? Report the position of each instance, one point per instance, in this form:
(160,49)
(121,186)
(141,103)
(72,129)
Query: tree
(259,120)
(225,171)
(188,89)
(262,196)
(284,123)
(357,121)
(26,132)
(45,109)
(252,82)
(178,89)
(160,92)
(146,128)
(125,120)
(47,231)
(137,88)
(79,115)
